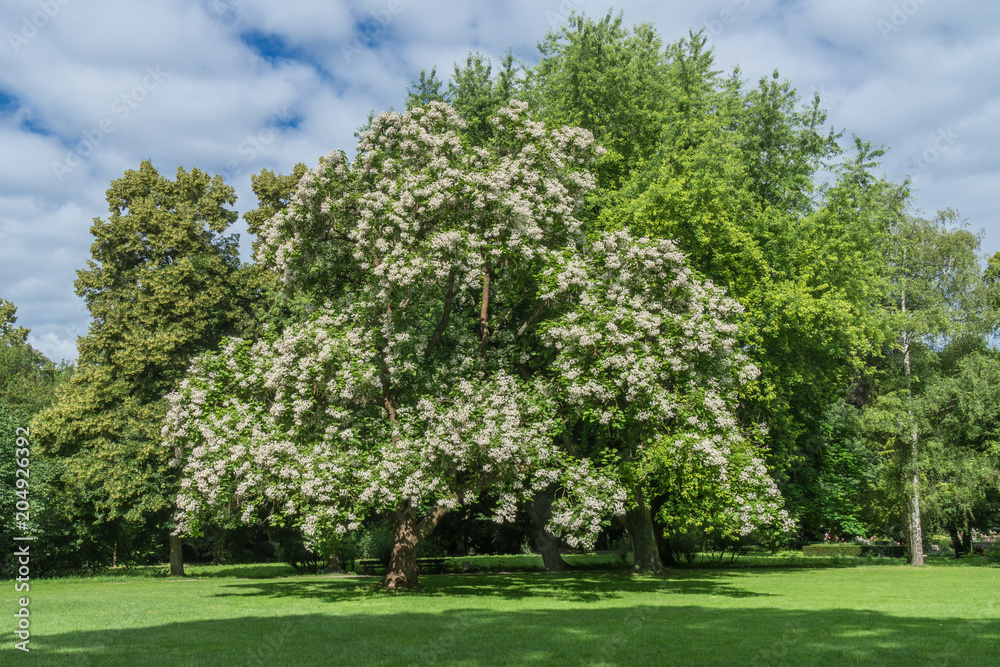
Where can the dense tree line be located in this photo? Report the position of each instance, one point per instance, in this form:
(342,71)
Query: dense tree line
(626,278)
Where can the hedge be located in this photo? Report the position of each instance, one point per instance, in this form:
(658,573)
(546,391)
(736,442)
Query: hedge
(886,551)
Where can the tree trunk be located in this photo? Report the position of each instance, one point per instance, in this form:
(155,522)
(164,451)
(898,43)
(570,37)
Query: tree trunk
(407,533)
(639,524)
(333,565)
(547,544)
(659,532)
(402,572)
(176,557)
(961,540)
(916,531)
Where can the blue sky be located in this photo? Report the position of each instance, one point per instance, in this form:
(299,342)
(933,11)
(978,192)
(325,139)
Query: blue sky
(89,89)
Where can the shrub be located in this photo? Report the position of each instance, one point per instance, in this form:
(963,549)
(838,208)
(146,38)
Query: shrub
(376,542)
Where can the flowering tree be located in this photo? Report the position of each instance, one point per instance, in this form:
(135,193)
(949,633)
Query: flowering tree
(412,389)
(647,355)
(443,358)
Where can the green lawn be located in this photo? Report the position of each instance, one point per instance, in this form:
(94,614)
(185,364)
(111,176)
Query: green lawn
(795,616)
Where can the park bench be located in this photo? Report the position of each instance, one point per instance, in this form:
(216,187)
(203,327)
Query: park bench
(368,565)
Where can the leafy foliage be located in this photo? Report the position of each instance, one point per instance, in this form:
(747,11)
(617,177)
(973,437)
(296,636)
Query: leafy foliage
(159,289)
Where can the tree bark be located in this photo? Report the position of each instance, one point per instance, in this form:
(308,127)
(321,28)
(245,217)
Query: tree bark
(662,543)
(639,525)
(407,533)
(961,541)
(333,565)
(176,556)
(547,544)
(916,531)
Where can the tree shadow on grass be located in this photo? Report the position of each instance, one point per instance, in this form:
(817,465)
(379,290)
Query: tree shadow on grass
(560,635)
(568,586)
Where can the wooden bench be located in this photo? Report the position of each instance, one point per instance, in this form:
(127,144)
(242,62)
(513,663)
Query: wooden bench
(428,564)
(368,565)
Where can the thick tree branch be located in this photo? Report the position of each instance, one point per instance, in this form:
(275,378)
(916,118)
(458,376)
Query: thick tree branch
(443,324)
(484,310)
(430,522)
(534,316)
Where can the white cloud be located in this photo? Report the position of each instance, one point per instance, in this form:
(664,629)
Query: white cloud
(215,105)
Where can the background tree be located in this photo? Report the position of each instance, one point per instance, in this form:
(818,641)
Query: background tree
(28,381)
(10,333)
(160,289)
(805,264)
(937,294)
(959,417)
(606,78)
(27,378)
(474,91)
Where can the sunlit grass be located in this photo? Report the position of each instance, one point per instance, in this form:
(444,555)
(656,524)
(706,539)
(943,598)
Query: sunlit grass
(823,616)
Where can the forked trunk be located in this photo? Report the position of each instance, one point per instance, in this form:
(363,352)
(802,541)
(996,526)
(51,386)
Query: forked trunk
(659,532)
(407,533)
(961,541)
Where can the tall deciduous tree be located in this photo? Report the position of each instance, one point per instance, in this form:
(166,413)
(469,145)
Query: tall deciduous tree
(937,294)
(160,289)
(732,183)
(403,394)
(609,79)
(959,418)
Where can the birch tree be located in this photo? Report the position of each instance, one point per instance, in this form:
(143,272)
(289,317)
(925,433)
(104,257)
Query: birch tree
(937,294)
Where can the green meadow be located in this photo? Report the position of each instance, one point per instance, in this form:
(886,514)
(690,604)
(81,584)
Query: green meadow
(249,615)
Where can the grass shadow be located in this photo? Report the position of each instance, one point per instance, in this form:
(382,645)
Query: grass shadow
(569,586)
(647,634)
